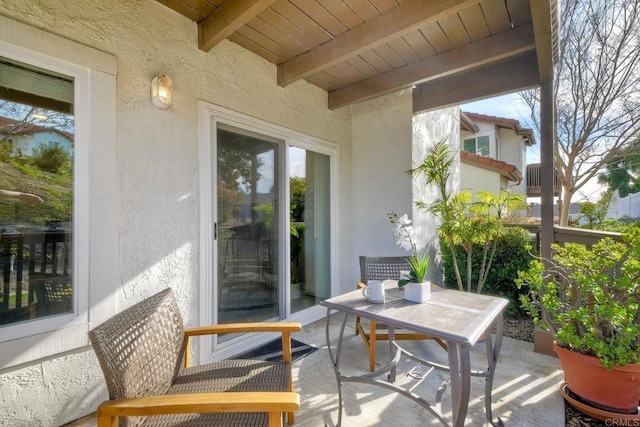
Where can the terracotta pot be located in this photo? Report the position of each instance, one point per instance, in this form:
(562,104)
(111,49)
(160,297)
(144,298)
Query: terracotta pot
(616,390)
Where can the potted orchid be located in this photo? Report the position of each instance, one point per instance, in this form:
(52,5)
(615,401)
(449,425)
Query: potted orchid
(417,288)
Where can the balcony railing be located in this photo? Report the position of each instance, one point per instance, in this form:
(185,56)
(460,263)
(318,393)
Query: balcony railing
(534,189)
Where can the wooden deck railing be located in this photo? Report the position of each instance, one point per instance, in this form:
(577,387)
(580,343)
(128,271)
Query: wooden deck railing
(569,234)
(35,266)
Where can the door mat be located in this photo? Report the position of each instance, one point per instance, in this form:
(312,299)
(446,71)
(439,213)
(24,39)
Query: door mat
(272,351)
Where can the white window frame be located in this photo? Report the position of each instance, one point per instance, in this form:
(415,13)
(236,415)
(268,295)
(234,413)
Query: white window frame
(209,116)
(94,75)
(492,142)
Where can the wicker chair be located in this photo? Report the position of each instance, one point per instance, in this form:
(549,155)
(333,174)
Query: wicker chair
(143,353)
(383,268)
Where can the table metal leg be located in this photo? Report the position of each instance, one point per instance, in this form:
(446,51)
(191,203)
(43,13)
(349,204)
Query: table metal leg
(460,373)
(459,370)
(493,353)
(335,360)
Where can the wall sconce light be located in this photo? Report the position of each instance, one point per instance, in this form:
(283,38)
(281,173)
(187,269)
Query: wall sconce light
(161,88)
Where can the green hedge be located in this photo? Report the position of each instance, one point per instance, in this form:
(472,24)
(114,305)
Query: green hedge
(513,253)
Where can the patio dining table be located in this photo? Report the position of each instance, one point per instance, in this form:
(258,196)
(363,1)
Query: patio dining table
(461,319)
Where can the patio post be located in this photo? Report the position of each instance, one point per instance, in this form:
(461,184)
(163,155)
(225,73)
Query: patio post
(547,171)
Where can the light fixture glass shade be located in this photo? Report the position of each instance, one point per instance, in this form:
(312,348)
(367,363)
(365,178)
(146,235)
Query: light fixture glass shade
(161,88)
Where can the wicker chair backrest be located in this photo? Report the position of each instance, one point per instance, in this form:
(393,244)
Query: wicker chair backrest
(382,268)
(140,349)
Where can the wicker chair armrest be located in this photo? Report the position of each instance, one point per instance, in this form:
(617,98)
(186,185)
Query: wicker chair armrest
(285,328)
(360,285)
(233,328)
(275,403)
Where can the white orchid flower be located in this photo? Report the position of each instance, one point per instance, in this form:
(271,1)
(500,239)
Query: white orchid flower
(404,220)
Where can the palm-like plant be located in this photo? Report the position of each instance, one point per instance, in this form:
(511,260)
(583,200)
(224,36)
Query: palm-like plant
(464,223)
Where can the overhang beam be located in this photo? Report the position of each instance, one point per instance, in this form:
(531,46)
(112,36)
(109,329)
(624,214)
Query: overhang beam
(483,52)
(227,19)
(508,76)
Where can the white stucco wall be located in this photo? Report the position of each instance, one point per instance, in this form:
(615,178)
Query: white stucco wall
(476,179)
(513,150)
(428,129)
(382,139)
(27,143)
(156,172)
(388,140)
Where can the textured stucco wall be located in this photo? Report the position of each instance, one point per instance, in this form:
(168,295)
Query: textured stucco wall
(157,168)
(388,140)
(382,139)
(428,129)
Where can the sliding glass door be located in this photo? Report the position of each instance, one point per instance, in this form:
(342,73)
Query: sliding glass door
(248,232)
(310,212)
(267,224)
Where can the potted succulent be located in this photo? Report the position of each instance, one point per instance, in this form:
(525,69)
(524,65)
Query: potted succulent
(416,287)
(589,299)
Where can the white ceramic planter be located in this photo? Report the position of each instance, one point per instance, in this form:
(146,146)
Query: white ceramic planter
(417,292)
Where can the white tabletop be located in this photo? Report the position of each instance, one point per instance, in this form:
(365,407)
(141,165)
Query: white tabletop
(455,316)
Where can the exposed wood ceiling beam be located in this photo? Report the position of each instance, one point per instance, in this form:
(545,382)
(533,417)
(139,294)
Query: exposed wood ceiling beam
(227,19)
(502,45)
(542,14)
(408,16)
(512,75)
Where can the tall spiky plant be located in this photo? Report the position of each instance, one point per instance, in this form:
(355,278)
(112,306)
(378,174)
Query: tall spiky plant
(463,223)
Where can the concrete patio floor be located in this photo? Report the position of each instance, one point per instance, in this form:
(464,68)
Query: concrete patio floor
(525,388)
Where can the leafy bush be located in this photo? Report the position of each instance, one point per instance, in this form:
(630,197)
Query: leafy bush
(589,298)
(51,159)
(513,253)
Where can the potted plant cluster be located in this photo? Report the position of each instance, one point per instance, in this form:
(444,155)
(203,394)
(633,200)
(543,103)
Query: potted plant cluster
(589,299)
(416,287)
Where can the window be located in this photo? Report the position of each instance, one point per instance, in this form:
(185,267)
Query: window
(91,100)
(480,145)
(36,197)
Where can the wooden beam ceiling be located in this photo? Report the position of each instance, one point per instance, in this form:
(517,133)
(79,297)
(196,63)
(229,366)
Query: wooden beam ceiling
(545,23)
(500,46)
(388,26)
(360,49)
(227,19)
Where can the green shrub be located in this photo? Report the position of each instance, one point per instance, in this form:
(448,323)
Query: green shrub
(589,298)
(51,159)
(513,254)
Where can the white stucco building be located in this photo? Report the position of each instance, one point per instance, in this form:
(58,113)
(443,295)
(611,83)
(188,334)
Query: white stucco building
(147,202)
(493,153)
(140,195)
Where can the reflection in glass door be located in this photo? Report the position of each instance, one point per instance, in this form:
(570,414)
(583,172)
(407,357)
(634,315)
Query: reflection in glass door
(309,203)
(247,226)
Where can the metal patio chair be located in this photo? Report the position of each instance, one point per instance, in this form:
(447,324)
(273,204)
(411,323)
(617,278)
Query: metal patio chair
(383,268)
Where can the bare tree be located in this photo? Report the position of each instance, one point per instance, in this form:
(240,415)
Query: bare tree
(596,88)
(20,117)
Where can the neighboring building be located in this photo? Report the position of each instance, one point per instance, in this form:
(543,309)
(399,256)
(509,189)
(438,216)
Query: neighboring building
(23,138)
(493,153)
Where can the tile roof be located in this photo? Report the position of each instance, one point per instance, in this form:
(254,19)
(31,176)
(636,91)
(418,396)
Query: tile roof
(498,121)
(505,169)
(10,126)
